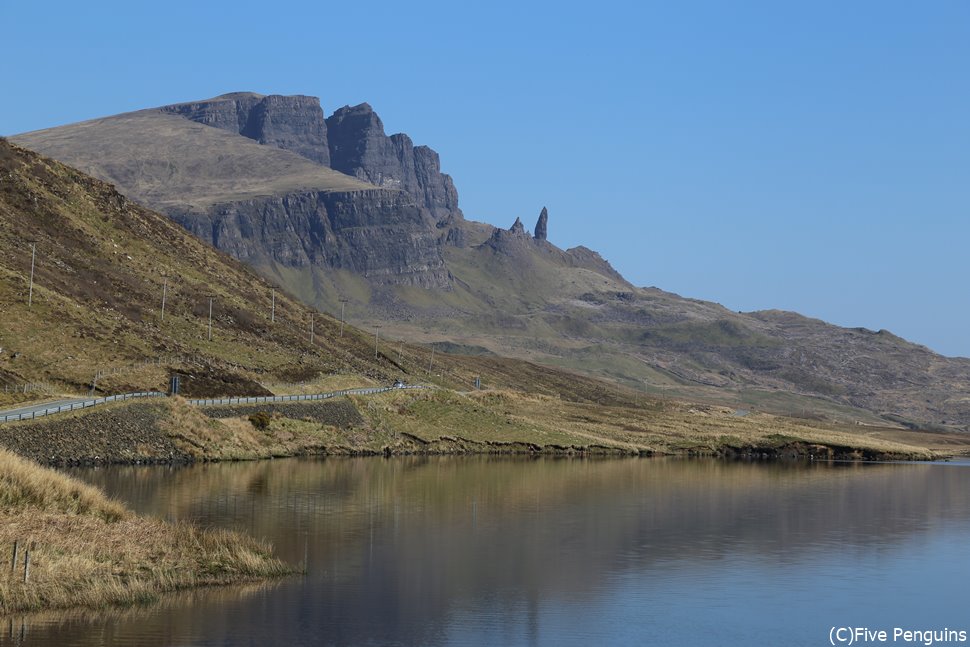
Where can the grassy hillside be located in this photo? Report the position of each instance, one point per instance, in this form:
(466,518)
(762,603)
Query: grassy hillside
(102,264)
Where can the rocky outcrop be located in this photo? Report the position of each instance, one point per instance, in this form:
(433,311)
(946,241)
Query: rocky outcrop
(515,242)
(359,147)
(294,123)
(542,225)
(379,234)
(586,258)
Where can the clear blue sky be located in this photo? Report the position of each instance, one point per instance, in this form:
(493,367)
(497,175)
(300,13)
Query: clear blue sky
(810,156)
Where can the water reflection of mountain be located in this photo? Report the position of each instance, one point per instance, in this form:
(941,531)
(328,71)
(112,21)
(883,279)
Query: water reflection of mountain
(398,547)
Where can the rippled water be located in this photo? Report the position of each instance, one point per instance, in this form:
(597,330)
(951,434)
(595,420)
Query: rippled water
(480,551)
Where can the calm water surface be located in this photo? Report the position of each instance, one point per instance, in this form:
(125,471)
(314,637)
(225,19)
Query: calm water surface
(479,551)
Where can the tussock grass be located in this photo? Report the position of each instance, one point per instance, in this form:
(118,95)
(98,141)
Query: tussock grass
(24,486)
(237,438)
(90,551)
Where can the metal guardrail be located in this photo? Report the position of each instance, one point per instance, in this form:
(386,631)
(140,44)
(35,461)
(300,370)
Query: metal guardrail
(205,402)
(262,399)
(84,404)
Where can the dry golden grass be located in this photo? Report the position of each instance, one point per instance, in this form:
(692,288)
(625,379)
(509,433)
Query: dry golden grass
(26,485)
(87,550)
(236,439)
(507,417)
(321,384)
(443,421)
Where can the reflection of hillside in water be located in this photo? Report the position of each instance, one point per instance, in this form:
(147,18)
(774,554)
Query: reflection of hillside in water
(396,546)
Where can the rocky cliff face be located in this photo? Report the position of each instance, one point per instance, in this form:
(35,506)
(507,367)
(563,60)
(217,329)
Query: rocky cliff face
(379,234)
(293,123)
(351,141)
(382,235)
(359,147)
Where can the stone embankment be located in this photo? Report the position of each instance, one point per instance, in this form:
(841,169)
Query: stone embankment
(336,413)
(118,434)
(137,433)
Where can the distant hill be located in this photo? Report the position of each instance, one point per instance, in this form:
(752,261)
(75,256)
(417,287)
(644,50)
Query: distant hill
(334,209)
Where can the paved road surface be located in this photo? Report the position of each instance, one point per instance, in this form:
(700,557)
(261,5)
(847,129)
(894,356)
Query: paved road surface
(50,404)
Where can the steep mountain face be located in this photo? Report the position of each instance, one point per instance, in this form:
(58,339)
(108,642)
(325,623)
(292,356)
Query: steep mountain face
(379,235)
(383,232)
(351,141)
(258,202)
(292,123)
(359,147)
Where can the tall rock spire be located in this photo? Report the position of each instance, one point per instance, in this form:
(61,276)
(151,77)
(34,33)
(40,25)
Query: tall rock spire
(542,225)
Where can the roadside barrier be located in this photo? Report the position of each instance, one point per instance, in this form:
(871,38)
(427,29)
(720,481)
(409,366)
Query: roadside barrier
(294,398)
(83,404)
(204,402)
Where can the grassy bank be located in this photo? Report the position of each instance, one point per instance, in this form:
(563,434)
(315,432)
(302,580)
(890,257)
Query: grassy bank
(87,550)
(442,421)
(493,420)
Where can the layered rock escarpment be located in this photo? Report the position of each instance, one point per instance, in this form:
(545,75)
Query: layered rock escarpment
(359,147)
(395,239)
(294,123)
(352,142)
(378,234)
(260,203)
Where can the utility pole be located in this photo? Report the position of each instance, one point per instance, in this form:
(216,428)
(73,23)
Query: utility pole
(210,318)
(33,255)
(377,335)
(164,294)
(343,302)
(272,312)
(400,353)
(311,328)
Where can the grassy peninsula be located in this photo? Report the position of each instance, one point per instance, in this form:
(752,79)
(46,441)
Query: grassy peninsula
(87,550)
